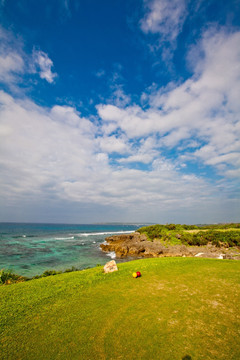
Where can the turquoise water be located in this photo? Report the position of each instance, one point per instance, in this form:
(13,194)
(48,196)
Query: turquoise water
(30,249)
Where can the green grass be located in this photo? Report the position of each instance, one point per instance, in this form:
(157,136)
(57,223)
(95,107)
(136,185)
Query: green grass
(179,307)
(195,231)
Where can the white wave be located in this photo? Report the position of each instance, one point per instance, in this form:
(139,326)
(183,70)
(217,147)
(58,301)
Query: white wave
(24,236)
(199,254)
(112,255)
(64,238)
(106,233)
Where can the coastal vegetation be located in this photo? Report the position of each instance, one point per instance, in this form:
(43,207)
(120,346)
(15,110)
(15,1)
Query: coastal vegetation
(227,235)
(180,308)
(8,277)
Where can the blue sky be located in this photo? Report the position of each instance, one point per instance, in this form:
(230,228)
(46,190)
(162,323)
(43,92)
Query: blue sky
(124,110)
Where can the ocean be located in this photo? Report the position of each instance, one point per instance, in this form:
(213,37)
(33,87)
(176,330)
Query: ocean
(31,249)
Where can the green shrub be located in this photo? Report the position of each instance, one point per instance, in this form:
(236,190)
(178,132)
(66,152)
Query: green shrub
(215,234)
(73,268)
(8,277)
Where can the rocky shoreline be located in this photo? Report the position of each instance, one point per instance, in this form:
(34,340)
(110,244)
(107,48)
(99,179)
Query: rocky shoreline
(137,245)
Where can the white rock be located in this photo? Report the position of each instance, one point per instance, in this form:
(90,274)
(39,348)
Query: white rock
(110,267)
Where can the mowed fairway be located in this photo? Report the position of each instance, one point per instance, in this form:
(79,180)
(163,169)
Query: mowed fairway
(179,307)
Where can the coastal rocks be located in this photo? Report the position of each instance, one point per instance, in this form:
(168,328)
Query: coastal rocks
(137,245)
(231,257)
(111,266)
(123,245)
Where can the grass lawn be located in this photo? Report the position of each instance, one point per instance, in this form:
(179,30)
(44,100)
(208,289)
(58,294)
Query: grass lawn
(179,307)
(195,231)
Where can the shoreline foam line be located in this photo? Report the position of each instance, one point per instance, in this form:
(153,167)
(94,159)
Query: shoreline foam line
(64,238)
(106,233)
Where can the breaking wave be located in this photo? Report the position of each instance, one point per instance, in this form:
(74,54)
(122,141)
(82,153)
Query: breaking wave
(64,238)
(106,233)
(111,254)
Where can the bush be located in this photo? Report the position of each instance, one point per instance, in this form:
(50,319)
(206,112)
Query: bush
(211,236)
(73,268)
(171,227)
(8,277)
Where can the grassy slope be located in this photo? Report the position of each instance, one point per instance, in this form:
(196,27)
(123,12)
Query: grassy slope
(179,306)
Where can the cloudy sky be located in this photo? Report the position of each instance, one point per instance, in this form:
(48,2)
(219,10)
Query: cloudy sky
(124,110)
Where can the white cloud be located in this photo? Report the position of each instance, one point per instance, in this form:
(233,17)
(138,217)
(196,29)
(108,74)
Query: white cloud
(11,57)
(144,158)
(112,144)
(204,109)
(132,120)
(144,152)
(119,98)
(10,64)
(70,116)
(49,154)
(44,64)
(15,62)
(164,18)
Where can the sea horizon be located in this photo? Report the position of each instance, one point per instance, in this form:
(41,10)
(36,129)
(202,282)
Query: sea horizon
(75,223)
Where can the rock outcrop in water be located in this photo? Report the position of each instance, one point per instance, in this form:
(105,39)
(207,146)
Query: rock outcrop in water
(137,245)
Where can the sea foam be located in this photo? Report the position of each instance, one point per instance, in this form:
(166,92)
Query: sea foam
(112,254)
(106,233)
(64,238)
